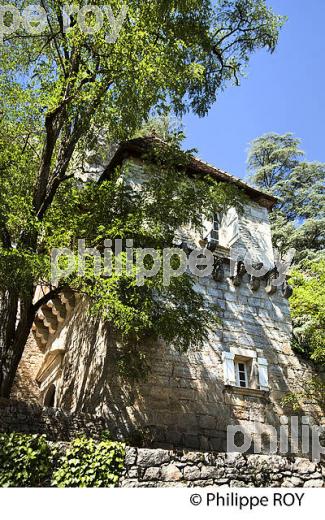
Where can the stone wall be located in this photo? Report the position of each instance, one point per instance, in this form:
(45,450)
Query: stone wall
(25,385)
(56,424)
(184,401)
(162,468)
(166,468)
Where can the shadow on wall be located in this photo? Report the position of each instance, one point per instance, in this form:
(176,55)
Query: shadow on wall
(25,386)
(182,402)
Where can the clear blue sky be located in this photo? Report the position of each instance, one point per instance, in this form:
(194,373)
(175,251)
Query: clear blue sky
(284,92)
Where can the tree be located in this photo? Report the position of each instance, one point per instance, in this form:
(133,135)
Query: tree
(60,82)
(276,165)
(308,310)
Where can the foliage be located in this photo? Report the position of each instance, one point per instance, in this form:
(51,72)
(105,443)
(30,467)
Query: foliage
(168,200)
(90,464)
(165,126)
(57,88)
(308,310)
(313,391)
(276,165)
(30,461)
(25,460)
(298,221)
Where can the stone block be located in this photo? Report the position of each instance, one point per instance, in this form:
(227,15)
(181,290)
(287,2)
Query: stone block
(207,421)
(318,483)
(133,473)
(304,466)
(170,473)
(152,473)
(208,472)
(130,456)
(292,482)
(192,473)
(151,457)
(193,456)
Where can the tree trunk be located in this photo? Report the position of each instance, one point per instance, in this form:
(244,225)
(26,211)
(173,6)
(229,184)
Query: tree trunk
(16,319)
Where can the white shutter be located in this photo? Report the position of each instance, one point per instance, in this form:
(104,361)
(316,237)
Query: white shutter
(207,227)
(230,227)
(229,368)
(263,374)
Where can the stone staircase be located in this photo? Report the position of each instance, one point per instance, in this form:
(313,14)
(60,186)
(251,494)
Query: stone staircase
(51,317)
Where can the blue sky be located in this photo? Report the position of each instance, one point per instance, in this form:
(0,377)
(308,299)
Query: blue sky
(284,92)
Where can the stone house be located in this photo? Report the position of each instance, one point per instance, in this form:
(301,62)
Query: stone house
(188,399)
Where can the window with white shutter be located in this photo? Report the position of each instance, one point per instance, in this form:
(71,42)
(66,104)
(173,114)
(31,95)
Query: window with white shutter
(230,227)
(263,374)
(213,229)
(229,368)
(243,369)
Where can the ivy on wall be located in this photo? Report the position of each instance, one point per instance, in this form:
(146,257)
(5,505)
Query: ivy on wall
(25,460)
(30,461)
(90,464)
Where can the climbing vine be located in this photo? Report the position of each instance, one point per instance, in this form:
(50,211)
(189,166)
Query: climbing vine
(90,464)
(25,460)
(31,461)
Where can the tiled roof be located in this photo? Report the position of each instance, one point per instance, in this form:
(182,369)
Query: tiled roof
(139,146)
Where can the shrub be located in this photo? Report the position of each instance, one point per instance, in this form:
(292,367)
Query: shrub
(25,460)
(90,464)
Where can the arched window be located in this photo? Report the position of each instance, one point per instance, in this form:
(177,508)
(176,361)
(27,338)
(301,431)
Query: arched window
(49,399)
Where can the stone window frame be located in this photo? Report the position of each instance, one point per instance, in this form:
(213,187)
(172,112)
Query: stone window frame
(50,372)
(257,369)
(49,397)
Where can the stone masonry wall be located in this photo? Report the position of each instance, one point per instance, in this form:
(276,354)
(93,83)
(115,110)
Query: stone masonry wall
(162,468)
(184,401)
(166,468)
(25,385)
(56,424)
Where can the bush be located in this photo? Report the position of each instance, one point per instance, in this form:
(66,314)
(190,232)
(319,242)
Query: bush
(29,461)
(25,460)
(90,464)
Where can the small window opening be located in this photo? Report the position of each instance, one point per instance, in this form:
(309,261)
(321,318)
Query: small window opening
(49,399)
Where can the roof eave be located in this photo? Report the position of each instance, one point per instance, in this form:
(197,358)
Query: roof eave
(137,147)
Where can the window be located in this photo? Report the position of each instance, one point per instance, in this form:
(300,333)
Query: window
(49,399)
(244,369)
(213,236)
(241,374)
(230,225)
(215,229)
